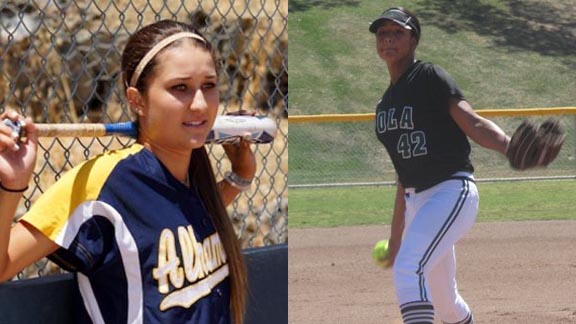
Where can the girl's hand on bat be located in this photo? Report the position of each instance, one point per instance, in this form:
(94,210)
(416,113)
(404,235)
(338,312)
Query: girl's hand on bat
(240,154)
(17,156)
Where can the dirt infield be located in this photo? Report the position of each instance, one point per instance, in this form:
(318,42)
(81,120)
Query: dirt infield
(517,272)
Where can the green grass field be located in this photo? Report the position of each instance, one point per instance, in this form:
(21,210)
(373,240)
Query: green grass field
(502,54)
(499,201)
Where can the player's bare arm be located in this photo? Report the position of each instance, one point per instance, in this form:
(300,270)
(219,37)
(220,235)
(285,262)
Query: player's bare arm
(481,130)
(243,169)
(397,225)
(23,246)
(17,161)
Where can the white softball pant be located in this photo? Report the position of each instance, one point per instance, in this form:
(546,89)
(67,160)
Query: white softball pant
(425,267)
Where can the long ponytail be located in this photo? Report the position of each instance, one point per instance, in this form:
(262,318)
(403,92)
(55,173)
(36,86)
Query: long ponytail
(203,177)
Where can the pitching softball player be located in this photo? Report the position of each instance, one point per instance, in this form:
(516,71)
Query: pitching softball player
(423,120)
(144,228)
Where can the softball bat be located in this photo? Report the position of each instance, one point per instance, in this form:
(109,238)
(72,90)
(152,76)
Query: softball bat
(227,129)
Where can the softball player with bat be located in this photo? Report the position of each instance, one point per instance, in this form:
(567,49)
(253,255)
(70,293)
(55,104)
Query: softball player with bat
(144,228)
(423,120)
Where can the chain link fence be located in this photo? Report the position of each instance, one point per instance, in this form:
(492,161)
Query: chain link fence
(348,153)
(60,63)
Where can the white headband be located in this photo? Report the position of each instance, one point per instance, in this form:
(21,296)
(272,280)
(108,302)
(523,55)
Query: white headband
(157,48)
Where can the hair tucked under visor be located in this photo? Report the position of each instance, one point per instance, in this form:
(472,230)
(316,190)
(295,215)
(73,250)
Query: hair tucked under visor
(402,17)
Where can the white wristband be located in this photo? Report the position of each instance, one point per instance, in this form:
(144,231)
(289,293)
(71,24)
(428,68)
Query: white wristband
(237,182)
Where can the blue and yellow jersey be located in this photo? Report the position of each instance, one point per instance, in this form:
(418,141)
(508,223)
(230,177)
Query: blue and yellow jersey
(142,244)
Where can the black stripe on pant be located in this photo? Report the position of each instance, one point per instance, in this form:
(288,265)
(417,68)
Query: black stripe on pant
(443,230)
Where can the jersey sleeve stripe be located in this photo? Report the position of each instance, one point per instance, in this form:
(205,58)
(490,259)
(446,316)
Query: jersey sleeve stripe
(128,251)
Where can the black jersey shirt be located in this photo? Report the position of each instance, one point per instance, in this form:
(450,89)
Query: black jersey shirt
(413,122)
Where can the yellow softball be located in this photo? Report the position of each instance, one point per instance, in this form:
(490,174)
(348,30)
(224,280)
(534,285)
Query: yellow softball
(380,254)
